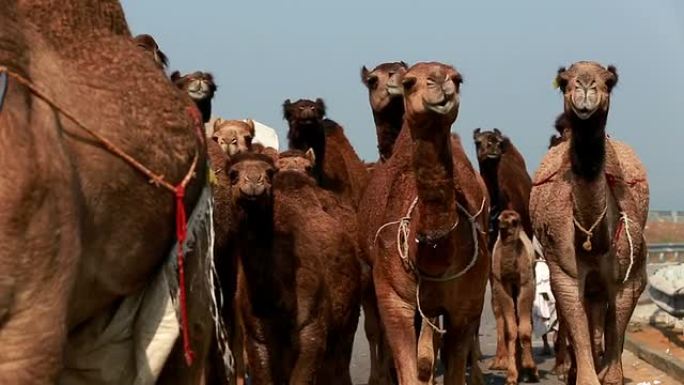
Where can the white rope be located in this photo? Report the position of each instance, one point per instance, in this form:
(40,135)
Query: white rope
(589,233)
(402,233)
(425,318)
(624,218)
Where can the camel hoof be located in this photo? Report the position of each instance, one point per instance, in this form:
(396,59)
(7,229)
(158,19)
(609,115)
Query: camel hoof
(530,376)
(511,382)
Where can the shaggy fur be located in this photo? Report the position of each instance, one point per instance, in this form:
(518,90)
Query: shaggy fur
(513,286)
(64,246)
(200,87)
(579,179)
(298,278)
(387,103)
(338,167)
(430,164)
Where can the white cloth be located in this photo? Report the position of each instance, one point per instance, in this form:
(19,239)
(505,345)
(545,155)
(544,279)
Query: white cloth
(544,305)
(130,343)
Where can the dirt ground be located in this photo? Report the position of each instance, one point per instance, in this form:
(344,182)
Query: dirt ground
(661,339)
(664,232)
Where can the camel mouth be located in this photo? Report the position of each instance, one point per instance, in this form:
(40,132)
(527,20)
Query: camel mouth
(394,91)
(583,113)
(442,107)
(199,90)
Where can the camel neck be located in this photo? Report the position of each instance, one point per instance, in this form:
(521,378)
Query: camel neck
(589,185)
(489,170)
(204,105)
(388,123)
(434,172)
(310,135)
(66,22)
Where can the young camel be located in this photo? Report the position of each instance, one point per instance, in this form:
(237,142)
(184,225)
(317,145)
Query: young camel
(429,179)
(513,286)
(589,207)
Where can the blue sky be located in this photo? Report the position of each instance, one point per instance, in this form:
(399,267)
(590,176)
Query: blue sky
(262,53)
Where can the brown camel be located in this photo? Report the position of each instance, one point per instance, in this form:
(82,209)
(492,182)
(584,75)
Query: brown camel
(233,136)
(503,169)
(76,218)
(298,275)
(200,87)
(387,103)
(513,286)
(338,167)
(443,248)
(589,207)
(149,45)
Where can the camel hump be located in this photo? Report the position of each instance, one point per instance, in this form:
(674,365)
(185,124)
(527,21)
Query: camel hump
(551,164)
(629,166)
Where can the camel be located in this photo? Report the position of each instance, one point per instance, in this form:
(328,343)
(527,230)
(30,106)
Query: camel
(338,167)
(77,214)
(589,206)
(298,275)
(387,103)
(200,87)
(148,44)
(429,197)
(233,136)
(513,286)
(504,171)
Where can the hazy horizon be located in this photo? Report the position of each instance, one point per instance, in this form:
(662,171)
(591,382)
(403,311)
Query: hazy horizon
(263,53)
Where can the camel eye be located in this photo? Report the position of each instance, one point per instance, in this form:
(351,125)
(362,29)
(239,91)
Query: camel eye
(234,141)
(409,82)
(372,81)
(234,176)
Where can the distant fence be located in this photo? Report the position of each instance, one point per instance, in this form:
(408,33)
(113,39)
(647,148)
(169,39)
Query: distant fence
(666,252)
(666,216)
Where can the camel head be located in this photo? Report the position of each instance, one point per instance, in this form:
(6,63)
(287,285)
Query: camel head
(303,112)
(234,136)
(297,161)
(199,85)
(490,145)
(509,224)
(431,93)
(147,43)
(383,83)
(586,88)
(251,177)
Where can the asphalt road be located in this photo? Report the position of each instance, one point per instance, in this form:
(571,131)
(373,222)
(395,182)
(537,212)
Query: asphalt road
(360,362)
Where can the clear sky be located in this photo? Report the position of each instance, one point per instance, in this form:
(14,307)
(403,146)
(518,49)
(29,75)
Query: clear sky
(262,53)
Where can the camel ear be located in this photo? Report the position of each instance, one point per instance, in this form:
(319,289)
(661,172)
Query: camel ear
(562,78)
(252,129)
(476,133)
(364,75)
(175,76)
(310,156)
(217,124)
(287,109)
(612,79)
(496,131)
(320,104)
(403,64)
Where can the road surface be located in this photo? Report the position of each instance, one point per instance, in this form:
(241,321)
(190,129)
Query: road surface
(637,372)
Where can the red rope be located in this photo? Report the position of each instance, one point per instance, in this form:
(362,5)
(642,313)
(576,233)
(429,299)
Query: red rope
(181,234)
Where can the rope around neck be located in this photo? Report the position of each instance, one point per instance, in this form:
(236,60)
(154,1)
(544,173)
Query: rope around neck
(590,233)
(403,249)
(156,179)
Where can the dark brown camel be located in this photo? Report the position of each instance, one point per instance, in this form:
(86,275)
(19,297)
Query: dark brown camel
(387,103)
(429,179)
(81,229)
(589,207)
(147,43)
(503,169)
(298,276)
(513,286)
(200,87)
(338,167)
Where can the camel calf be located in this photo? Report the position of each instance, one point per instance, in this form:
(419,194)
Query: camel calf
(513,288)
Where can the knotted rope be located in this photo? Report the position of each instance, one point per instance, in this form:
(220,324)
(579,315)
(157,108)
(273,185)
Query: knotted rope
(590,233)
(403,231)
(156,179)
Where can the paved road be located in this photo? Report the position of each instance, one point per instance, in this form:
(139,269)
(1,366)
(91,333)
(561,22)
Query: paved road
(636,371)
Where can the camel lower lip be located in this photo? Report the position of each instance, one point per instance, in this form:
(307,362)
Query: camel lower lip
(441,109)
(583,114)
(394,91)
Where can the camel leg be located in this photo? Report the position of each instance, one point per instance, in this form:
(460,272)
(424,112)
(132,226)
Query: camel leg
(398,318)
(457,352)
(374,335)
(500,359)
(476,377)
(508,311)
(547,348)
(569,295)
(426,351)
(524,310)
(618,315)
(311,352)
(596,311)
(560,347)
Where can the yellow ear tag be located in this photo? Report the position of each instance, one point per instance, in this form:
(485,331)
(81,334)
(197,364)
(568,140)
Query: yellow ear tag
(212,177)
(555,83)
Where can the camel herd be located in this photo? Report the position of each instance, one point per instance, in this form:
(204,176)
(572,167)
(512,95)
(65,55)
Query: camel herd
(102,173)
